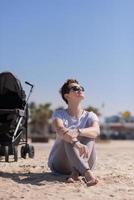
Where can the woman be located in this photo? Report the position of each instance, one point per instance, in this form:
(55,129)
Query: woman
(73,152)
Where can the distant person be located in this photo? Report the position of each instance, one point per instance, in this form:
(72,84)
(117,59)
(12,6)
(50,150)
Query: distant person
(73,152)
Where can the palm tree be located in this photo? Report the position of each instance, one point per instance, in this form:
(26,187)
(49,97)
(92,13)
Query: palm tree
(40,116)
(93,109)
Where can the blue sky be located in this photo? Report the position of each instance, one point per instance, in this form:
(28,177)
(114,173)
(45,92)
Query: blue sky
(48,41)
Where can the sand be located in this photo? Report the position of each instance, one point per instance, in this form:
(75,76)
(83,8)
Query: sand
(32,179)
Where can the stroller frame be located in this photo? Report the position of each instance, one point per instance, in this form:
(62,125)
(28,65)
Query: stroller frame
(10,147)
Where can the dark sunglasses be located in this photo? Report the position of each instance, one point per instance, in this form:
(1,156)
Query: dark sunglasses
(76,89)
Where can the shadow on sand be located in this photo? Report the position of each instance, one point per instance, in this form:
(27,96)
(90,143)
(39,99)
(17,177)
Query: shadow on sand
(34,178)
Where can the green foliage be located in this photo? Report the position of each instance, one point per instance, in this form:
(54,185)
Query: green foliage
(93,109)
(40,113)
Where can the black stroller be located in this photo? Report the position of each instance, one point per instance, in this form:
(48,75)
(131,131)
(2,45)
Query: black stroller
(14,118)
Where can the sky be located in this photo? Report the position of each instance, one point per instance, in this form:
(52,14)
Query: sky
(46,42)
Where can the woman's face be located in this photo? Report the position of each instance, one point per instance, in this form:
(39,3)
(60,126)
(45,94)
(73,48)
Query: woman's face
(76,92)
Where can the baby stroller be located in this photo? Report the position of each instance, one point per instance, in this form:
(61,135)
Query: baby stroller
(14,118)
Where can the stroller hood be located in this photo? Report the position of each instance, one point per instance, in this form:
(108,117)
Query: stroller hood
(11,90)
(8,82)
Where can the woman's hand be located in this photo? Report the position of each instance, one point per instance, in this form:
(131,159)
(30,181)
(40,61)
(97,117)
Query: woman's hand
(83,150)
(70,135)
(74,133)
(65,133)
(67,137)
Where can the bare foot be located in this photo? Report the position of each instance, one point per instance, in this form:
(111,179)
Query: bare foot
(73,177)
(90,179)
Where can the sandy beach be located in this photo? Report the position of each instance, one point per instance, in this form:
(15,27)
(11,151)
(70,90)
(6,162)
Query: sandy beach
(32,179)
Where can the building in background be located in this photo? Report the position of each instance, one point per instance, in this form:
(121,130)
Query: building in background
(117,127)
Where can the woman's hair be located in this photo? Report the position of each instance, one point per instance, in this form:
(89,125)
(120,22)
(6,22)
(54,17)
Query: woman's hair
(65,88)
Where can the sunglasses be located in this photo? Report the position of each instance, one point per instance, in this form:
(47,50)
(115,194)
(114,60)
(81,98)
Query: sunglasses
(76,89)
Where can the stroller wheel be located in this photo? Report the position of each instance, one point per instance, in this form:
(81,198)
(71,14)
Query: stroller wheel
(6,154)
(23,152)
(31,151)
(15,150)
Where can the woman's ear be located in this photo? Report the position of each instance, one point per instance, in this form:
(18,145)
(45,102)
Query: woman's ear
(66,96)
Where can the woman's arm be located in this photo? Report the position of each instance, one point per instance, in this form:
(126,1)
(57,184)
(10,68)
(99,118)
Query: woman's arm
(65,133)
(91,132)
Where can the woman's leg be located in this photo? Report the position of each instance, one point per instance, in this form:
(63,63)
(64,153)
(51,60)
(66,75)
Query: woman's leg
(90,179)
(60,161)
(92,158)
(79,163)
(67,160)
